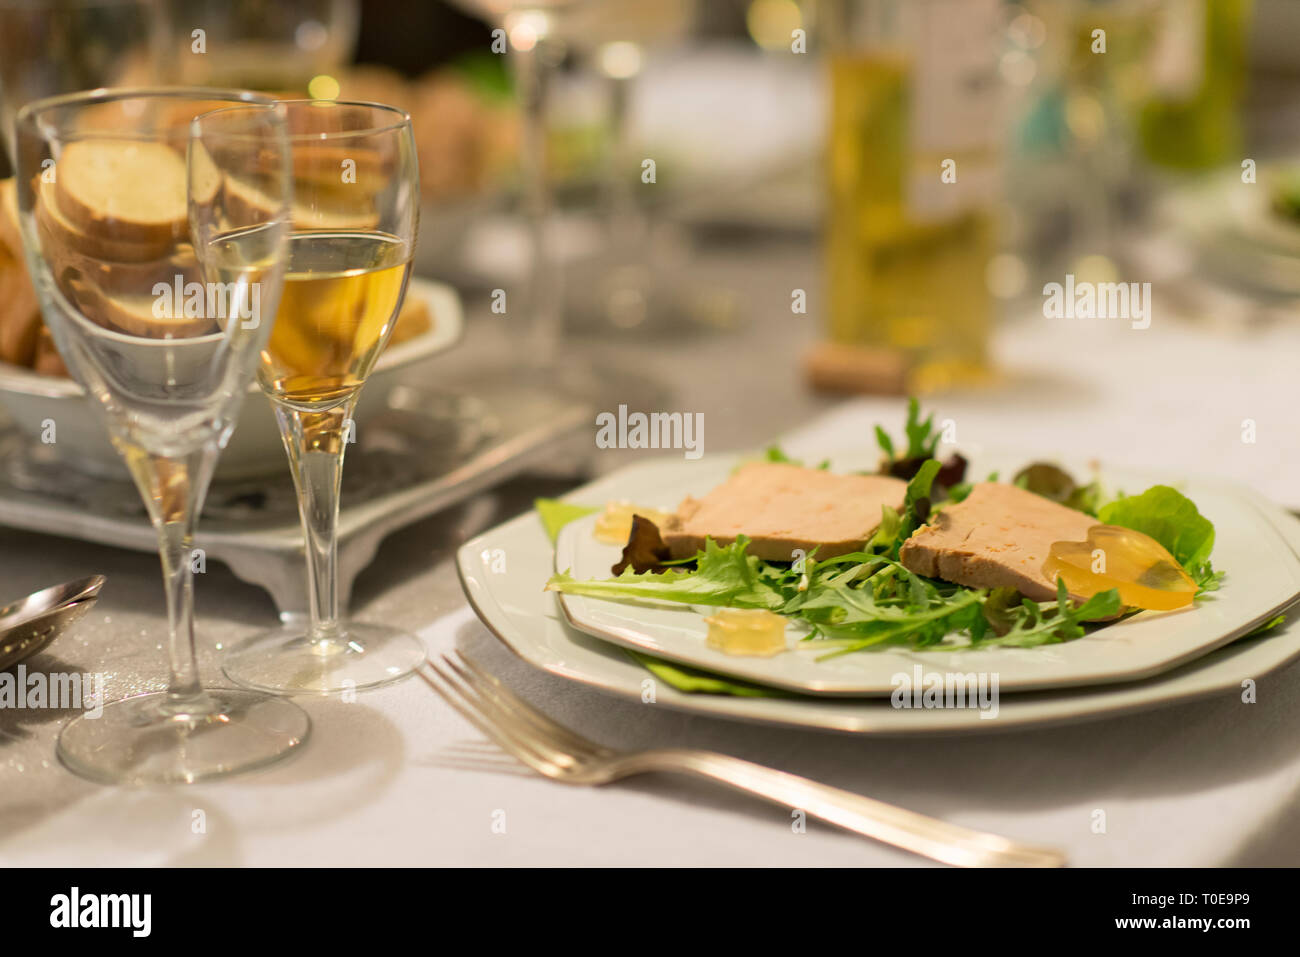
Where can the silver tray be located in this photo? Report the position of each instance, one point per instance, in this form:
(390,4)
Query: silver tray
(425,450)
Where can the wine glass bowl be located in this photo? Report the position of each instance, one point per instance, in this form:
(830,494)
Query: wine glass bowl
(354,220)
(112,192)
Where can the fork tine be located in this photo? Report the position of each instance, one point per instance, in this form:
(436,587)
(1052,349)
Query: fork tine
(507,731)
(538,739)
(514,767)
(477,748)
(449,692)
(484,682)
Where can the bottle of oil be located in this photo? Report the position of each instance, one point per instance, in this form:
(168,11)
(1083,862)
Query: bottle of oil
(912,171)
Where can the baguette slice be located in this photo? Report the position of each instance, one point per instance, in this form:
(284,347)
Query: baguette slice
(334,207)
(61,237)
(20,316)
(323,165)
(20,312)
(134,315)
(11,236)
(120,278)
(123,191)
(414,319)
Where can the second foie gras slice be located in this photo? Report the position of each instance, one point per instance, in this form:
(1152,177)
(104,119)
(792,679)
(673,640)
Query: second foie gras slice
(781,508)
(998,537)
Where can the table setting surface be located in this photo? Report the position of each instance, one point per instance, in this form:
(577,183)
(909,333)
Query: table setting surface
(395,777)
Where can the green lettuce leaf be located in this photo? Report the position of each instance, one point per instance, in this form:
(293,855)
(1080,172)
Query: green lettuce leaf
(1169,517)
(698,681)
(556,514)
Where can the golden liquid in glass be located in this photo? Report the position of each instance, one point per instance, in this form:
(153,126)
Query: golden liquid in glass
(342,291)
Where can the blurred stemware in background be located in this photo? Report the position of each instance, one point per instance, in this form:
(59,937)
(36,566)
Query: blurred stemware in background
(534,36)
(621,287)
(47,48)
(159,291)
(267,45)
(1116,106)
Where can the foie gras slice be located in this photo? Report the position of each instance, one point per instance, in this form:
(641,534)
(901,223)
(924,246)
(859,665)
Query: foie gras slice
(998,537)
(781,508)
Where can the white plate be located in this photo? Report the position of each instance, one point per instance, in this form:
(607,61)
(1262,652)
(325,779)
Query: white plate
(508,597)
(254,448)
(1263,577)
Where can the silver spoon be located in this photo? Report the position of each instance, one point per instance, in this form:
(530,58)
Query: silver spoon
(29,624)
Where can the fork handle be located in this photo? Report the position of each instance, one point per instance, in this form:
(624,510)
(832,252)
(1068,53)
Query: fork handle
(908,830)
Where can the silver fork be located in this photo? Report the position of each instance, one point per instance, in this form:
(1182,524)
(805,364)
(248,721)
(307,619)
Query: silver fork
(558,753)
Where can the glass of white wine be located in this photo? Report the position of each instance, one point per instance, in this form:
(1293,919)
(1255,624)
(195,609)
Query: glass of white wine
(354,220)
(116,190)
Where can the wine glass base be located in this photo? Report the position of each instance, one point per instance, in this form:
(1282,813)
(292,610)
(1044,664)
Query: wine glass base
(288,661)
(149,739)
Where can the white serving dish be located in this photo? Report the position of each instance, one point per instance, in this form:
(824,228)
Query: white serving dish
(254,449)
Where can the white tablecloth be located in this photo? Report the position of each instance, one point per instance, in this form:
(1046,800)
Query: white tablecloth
(1208,783)
(1214,782)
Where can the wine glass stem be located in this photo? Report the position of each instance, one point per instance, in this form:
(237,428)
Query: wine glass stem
(627,224)
(315,442)
(176,549)
(173,489)
(532,76)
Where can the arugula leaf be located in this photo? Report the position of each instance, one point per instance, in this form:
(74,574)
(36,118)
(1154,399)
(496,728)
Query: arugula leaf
(959,492)
(916,500)
(556,514)
(891,523)
(922,440)
(722,576)
(885,442)
(1172,519)
(1032,624)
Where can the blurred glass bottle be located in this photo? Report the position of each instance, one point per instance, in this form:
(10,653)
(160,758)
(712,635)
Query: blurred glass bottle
(913,171)
(1198,75)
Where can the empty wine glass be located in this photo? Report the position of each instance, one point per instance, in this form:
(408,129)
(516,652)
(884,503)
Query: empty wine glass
(118,192)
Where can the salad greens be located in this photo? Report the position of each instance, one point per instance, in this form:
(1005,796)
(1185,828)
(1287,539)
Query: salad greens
(1053,482)
(860,600)
(867,599)
(922,440)
(722,576)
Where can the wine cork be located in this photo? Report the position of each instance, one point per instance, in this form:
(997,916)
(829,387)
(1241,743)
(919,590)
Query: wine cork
(859,370)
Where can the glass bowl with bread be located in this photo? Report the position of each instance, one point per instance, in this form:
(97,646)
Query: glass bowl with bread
(35,387)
